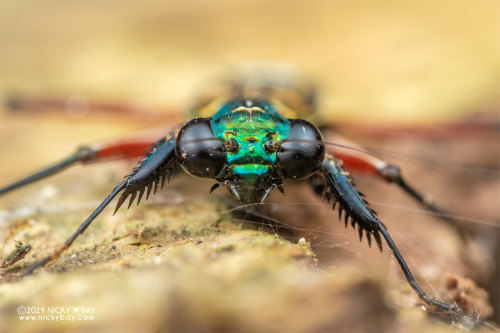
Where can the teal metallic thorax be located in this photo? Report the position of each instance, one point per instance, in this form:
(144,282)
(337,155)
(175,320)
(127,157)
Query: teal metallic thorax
(250,172)
(251,124)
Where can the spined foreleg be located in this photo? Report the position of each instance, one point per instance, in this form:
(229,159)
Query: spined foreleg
(151,173)
(333,183)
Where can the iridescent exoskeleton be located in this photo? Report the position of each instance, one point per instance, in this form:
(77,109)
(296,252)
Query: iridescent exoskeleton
(248,136)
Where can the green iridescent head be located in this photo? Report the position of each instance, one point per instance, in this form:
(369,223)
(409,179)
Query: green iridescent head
(248,147)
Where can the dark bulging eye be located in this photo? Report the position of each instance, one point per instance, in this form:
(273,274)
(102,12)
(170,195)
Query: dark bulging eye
(198,151)
(302,153)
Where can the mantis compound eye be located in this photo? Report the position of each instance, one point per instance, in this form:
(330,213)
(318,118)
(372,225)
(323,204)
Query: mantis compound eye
(199,152)
(302,153)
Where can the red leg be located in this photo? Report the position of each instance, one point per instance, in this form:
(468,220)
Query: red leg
(87,154)
(119,150)
(358,161)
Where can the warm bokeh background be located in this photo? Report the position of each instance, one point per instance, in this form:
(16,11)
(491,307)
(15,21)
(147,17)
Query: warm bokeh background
(382,59)
(388,62)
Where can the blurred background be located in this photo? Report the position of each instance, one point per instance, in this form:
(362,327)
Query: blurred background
(394,63)
(375,61)
(384,60)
